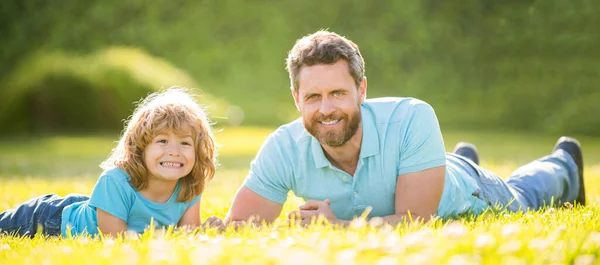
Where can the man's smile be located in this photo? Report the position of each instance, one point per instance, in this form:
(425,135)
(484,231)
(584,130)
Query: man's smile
(332,122)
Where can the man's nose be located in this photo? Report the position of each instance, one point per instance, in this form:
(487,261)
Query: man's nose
(327,107)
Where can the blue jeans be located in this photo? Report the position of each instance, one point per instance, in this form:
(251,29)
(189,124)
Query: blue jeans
(550,180)
(43,212)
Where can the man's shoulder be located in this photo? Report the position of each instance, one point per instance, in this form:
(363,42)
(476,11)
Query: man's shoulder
(389,102)
(291,133)
(392,109)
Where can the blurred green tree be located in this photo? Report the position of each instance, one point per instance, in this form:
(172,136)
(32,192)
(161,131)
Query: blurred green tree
(495,64)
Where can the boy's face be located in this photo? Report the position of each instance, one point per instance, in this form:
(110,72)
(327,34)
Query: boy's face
(169,156)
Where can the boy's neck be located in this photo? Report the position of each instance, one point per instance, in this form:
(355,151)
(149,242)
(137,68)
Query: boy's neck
(159,191)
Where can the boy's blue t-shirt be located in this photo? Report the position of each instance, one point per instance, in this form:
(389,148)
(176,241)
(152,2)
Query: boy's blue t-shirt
(114,195)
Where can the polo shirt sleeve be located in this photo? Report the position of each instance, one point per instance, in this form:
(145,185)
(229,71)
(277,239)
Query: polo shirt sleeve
(422,145)
(271,170)
(113,194)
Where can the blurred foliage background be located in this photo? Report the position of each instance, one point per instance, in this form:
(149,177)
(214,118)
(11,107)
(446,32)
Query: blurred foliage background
(77,66)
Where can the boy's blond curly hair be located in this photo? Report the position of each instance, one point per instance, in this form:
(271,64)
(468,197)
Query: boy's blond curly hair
(171,110)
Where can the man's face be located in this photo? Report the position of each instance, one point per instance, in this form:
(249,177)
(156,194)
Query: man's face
(329,102)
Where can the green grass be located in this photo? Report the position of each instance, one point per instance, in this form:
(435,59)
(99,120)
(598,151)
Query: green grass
(69,164)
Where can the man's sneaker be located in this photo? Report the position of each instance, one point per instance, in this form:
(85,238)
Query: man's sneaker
(573,148)
(467,150)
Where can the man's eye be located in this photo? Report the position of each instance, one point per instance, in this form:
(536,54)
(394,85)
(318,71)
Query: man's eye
(338,94)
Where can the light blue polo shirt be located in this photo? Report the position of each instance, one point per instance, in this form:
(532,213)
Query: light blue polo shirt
(400,136)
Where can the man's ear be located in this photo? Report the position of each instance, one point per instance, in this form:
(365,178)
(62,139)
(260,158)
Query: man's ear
(296,99)
(362,90)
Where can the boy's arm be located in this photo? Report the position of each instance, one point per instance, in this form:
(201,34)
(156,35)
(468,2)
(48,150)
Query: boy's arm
(110,225)
(191,219)
(112,199)
(191,216)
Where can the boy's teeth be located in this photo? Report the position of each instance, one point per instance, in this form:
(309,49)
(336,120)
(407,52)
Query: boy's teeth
(166,164)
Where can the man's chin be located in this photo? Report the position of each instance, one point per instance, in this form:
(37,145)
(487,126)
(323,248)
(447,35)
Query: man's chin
(334,144)
(332,141)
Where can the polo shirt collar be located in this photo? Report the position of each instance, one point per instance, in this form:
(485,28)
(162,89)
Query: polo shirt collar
(369,145)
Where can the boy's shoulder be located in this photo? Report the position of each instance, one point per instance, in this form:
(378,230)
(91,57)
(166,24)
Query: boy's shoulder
(116,174)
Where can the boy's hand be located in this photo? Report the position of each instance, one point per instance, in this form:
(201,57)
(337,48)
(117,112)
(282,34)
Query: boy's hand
(214,222)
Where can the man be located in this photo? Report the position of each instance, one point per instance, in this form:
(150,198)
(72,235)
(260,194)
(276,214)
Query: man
(347,154)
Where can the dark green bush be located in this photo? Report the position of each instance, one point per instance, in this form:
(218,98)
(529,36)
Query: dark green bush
(69,95)
(61,93)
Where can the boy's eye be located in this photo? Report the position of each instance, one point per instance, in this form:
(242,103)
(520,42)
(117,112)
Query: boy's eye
(186,143)
(162,141)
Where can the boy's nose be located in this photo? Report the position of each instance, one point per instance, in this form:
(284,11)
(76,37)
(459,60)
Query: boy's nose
(173,150)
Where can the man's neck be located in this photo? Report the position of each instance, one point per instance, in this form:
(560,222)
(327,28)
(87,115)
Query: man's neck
(345,157)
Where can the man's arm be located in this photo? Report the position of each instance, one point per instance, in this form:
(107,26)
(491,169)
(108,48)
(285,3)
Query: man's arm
(418,193)
(247,205)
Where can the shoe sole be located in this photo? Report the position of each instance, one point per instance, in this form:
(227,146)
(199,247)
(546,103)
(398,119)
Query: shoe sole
(581,195)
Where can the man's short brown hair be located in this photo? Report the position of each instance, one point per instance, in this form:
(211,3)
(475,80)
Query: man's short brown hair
(324,47)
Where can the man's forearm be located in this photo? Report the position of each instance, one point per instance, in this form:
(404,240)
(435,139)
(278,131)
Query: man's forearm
(398,218)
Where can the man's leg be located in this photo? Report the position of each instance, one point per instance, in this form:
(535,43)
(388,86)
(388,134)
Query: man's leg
(467,150)
(554,179)
(489,187)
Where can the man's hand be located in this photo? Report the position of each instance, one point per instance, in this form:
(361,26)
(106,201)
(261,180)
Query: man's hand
(314,209)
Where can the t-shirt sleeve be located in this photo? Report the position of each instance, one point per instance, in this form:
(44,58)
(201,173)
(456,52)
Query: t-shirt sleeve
(271,170)
(194,200)
(422,145)
(113,194)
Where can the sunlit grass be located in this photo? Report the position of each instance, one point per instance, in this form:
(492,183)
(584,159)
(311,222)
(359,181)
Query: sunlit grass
(62,165)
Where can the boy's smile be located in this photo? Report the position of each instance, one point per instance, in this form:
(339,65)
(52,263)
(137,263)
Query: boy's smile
(169,156)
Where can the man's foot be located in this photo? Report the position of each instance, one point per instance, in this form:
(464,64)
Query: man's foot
(573,148)
(467,150)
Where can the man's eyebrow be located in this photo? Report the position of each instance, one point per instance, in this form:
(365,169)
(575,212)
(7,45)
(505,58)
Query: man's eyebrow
(310,94)
(338,90)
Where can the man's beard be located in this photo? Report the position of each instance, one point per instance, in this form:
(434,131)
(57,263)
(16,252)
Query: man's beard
(330,137)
